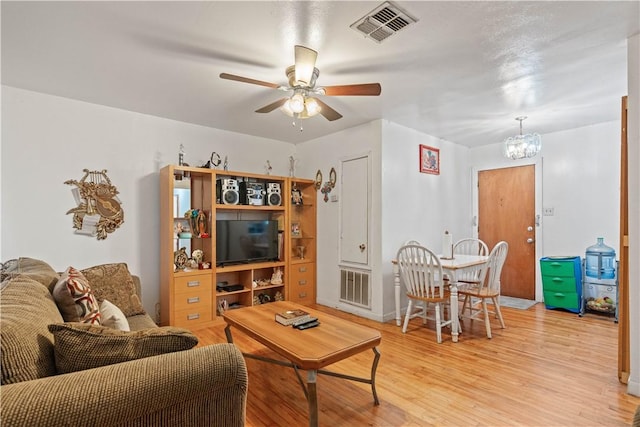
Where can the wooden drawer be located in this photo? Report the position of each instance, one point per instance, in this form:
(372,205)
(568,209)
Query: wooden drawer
(302,283)
(559,284)
(193,301)
(193,284)
(192,317)
(558,268)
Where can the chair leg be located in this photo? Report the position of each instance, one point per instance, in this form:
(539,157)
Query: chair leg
(424,313)
(438,323)
(486,317)
(406,317)
(498,312)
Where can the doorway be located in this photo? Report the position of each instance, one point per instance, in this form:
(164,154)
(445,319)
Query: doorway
(506,211)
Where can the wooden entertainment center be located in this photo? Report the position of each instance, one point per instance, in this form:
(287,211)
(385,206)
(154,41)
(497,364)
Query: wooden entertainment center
(189,297)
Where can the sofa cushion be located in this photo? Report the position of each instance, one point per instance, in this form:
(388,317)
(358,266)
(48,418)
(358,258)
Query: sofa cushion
(141,321)
(113,282)
(75,299)
(79,346)
(112,317)
(34,268)
(26,308)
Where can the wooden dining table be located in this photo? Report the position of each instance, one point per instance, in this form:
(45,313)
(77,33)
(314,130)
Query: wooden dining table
(453,267)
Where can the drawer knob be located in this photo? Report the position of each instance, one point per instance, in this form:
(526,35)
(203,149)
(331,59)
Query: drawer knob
(194,316)
(302,282)
(302,269)
(302,295)
(193,283)
(193,300)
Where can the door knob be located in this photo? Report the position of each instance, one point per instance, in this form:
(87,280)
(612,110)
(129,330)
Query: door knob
(362,247)
(530,240)
(529,228)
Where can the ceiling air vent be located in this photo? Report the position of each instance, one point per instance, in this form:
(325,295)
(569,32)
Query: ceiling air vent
(383,21)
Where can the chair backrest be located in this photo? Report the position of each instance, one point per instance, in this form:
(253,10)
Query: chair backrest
(470,247)
(421,271)
(412,242)
(491,273)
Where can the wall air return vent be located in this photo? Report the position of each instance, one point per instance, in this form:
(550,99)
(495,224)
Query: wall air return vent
(383,21)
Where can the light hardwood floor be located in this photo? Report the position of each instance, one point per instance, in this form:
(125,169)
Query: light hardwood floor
(547,368)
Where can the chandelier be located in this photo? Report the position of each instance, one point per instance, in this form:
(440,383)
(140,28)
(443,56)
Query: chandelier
(522,146)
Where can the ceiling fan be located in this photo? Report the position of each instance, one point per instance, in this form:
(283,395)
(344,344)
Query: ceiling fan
(303,102)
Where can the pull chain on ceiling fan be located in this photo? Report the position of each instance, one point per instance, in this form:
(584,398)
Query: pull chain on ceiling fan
(302,76)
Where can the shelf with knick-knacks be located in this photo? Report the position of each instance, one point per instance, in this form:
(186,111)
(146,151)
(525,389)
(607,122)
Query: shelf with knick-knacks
(199,210)
(302,242)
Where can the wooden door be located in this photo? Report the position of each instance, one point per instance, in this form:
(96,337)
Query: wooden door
(506,211)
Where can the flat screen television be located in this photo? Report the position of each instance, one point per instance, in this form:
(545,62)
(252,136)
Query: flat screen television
(244,241)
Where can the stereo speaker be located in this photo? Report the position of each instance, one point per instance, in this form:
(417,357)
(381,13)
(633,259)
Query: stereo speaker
(227,191)
(274,198)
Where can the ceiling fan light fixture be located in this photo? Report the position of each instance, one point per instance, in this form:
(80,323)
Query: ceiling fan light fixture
(296,103)
(311,107)
(522,146)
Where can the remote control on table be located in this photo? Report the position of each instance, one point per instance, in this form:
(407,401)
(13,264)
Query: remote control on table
(304,321)
(308,325)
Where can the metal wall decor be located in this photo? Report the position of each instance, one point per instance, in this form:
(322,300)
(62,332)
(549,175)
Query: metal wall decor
(99,210)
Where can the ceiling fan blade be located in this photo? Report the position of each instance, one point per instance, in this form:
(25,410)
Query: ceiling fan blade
(365,89)
(328,112)
(269,108)
(305,63)
(227,76)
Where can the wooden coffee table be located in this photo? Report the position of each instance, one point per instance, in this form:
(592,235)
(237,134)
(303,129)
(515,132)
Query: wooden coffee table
(310,349)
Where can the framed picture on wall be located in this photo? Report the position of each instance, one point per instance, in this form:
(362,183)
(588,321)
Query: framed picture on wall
(429,160)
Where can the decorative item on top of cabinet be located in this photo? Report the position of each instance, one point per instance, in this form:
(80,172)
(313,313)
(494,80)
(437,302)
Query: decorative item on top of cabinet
(99,210)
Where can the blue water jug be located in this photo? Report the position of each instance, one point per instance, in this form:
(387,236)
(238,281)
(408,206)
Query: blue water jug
(601,261)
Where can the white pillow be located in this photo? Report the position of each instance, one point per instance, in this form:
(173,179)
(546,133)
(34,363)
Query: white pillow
(113,317)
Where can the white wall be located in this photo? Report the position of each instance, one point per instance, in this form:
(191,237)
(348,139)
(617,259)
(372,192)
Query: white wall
(406,204)
(47,140)
(325,153)
(418,206)
(578,175)
(633,137)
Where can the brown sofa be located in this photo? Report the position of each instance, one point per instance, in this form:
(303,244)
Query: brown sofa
(203,386)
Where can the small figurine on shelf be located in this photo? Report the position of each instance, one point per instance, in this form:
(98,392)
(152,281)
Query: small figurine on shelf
(296,195)
(276,277)
(180,258)
(278,296)
(226,163)
(268,167)
(181,155)
(292,166)
(223,306)
(197,255)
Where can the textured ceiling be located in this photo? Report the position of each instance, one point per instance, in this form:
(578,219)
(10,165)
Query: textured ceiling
(463,72)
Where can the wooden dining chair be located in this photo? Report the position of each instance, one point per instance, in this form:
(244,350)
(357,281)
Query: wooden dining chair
(470,246)
(421,272)
(476,295)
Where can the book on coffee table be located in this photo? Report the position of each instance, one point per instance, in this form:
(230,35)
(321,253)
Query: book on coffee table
(291,316)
